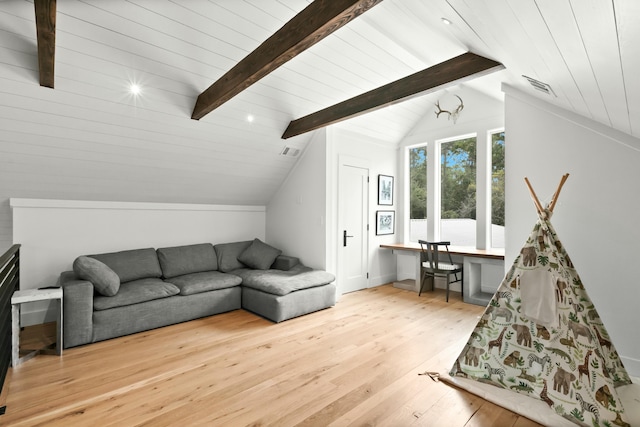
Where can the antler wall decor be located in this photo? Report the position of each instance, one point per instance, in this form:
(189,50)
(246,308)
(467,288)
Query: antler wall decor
(451,114)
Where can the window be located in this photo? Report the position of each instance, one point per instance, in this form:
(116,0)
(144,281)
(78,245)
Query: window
(418,193)
(497,190)
(444,181)
(458,191)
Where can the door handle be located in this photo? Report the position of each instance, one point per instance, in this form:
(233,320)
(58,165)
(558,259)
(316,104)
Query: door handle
(344,238)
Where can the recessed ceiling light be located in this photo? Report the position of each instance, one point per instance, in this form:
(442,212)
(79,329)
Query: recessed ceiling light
(250,118)
(135,89)
(445,21)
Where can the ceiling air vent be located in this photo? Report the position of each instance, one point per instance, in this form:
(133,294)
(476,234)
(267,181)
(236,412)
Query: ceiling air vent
(541,86)
(290,152)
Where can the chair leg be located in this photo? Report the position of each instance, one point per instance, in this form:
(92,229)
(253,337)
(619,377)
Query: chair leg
(448,288)
(422,282)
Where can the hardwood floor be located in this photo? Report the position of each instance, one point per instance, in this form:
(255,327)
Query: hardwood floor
(359,363)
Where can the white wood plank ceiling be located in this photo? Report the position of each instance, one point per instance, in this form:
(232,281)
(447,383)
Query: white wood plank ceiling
(89,138)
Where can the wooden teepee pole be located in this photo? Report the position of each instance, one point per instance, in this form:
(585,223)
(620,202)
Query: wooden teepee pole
(536,201)
(554,199)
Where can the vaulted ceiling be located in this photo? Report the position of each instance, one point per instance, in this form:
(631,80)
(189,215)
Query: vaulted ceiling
(586,50)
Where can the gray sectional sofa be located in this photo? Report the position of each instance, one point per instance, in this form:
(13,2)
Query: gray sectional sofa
(120,293)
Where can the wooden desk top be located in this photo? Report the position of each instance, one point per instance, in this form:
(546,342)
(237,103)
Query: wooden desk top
(454,250)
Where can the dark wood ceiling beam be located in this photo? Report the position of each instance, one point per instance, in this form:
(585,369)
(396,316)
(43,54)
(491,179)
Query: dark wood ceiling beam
(315,22)
(449,73)
(46,30)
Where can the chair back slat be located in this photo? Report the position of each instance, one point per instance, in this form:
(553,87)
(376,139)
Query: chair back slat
(431,253)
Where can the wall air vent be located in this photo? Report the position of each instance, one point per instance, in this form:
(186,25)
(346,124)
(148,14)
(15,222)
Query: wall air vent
(541,86)
(290,152)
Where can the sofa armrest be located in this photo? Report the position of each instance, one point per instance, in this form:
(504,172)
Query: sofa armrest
(285,263)
(78,310)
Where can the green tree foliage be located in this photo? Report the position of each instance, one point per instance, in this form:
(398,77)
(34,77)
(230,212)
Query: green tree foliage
(458,179)
(497,178)
(418,184)
(458,176)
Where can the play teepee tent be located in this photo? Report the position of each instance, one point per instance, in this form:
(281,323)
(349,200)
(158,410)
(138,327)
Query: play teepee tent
(541,335)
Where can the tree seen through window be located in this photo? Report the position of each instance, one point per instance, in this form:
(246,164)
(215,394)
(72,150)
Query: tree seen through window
(458,179)
(458,185)
(418,182)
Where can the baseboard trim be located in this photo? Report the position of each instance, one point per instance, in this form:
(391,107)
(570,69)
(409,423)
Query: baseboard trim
(631,365)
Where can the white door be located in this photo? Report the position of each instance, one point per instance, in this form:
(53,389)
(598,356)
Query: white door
(353,242)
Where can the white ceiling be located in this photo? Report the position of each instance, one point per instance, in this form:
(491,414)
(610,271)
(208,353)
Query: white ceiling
(586,50)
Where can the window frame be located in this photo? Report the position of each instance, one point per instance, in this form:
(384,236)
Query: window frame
(490,134)
(484,163)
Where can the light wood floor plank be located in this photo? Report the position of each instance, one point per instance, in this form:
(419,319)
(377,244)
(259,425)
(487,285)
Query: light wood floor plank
(356,364)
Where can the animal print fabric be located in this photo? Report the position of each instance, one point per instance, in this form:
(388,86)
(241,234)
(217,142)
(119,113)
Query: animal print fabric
(573,367)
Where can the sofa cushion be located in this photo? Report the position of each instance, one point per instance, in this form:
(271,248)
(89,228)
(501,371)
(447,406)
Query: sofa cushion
(181,260)
(280,282)
(136,292)
(284,262)
(133,264)
(228,253)
(195,283)
(105,280)
(259,255)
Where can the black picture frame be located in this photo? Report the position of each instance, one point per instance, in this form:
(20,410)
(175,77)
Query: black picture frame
(385,190)
(385,222)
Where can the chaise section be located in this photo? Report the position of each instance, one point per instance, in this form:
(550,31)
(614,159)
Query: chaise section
(278,308)
(279,282)
(281,295)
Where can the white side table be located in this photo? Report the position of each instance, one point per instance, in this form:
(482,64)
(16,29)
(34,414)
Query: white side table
(32,295)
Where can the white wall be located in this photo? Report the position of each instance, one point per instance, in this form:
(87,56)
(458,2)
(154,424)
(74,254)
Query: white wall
(302,216)
(54,232)
(382,158)
(296,215)
(597,213)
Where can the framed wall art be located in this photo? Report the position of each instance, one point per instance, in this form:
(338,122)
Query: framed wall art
(385,190)
(385,222)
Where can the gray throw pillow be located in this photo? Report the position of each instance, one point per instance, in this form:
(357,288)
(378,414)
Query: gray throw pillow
(104,279)
(259,255)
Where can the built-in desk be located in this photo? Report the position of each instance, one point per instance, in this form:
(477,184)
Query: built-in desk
(483,270)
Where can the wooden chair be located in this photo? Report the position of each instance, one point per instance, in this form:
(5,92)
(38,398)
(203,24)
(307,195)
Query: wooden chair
(433,267)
